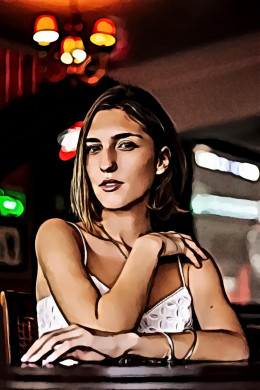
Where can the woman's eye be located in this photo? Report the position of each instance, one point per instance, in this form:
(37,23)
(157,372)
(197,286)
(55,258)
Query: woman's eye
(128,145)
(92,149)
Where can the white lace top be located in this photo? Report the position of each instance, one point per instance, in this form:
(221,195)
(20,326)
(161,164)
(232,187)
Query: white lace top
(173,314)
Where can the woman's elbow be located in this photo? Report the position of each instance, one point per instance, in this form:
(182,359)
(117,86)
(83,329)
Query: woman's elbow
(113,320)
(243,351)
(116,325)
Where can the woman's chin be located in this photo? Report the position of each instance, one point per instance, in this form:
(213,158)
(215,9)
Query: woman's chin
(114,206)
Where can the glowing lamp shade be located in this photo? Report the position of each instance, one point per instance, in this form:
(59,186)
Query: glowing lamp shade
(72,49)
(45,30)
(78,52)
(103,33)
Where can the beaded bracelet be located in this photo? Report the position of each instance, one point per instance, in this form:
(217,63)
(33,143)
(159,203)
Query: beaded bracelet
(193,345)
(171,356)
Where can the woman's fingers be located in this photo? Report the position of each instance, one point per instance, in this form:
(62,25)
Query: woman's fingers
(189,241)
(42,340)
(63,349)
(31,365)
(188,253)
(78,354)
(195,247)
(47,342)
(49,346)
(177,243)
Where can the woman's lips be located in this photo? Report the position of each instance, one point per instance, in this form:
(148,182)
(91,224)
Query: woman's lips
(109,187)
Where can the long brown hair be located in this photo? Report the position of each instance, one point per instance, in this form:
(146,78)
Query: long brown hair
(167,188)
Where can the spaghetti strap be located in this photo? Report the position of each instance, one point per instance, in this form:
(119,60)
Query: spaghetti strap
(181,271)
(84,241)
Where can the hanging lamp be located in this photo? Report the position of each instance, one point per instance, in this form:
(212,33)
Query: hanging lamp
(45,30)
(103,33)
(72,50)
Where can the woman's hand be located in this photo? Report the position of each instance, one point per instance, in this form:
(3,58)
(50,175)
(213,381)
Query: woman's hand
(78,343)
(59,342)
(173,243)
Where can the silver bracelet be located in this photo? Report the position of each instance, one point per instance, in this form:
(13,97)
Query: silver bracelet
(171,356)
(193,345)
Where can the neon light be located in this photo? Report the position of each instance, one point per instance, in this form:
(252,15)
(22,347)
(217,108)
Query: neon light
(64,156)
(212,161)
(68,140)
(10,205)
(225,206)
(249,171)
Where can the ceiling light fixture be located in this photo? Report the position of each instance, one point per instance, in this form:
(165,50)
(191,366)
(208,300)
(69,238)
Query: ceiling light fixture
(72,53)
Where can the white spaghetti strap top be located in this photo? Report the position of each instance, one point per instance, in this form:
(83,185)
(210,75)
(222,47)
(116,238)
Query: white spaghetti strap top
(181,272)
(83,240)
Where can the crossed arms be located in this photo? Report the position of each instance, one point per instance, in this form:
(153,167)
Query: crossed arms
(221,336)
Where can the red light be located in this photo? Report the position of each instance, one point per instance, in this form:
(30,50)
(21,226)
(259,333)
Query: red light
(64,156)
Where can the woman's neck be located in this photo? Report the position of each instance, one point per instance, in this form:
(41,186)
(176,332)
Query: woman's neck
(126,226)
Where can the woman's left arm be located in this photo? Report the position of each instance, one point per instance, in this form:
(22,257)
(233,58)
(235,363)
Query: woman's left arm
(221,337)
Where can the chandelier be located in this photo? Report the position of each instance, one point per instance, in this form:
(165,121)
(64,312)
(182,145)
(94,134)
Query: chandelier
(70,55)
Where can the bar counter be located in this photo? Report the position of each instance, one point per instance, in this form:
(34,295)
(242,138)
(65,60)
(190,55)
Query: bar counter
(191,375)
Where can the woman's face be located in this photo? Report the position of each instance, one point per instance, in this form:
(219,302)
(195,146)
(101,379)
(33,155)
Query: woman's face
(120,159)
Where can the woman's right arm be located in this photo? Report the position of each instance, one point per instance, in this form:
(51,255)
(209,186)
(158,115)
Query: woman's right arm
(118,310)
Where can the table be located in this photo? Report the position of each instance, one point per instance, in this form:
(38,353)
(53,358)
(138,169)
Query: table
(191,375)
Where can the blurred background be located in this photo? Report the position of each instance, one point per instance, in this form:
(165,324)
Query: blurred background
(200,58)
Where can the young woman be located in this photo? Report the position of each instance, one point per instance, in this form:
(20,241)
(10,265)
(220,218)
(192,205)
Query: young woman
(112,283)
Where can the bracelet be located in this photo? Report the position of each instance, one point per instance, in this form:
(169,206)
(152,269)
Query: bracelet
(193,345)
(171,356)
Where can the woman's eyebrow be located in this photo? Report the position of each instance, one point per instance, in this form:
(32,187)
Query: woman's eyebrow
(116,137)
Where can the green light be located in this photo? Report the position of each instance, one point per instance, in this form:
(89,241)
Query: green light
(225,206)
(12,204)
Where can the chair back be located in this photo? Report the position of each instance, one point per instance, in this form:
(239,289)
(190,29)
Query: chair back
(19,325)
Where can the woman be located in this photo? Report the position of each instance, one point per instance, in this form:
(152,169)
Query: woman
(113,284)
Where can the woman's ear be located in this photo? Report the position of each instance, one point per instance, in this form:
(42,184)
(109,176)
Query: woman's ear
(163,160)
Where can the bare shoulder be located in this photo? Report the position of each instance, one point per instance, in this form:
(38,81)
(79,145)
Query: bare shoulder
(52,228)
(56,235)
(52,225)
(208,273)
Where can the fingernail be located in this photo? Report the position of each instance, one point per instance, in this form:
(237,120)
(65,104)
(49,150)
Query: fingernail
(49,365)
(47,360)
(24,358)
(33,359)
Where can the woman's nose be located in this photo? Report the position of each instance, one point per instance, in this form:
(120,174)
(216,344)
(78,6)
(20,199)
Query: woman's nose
(108,161)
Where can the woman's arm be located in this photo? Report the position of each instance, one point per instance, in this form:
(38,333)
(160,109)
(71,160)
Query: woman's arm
(59,256)
(221,336)
(118,310)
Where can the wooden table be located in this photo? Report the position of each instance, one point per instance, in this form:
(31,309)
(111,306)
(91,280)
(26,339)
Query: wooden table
(199,375)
